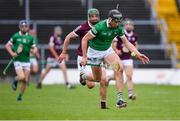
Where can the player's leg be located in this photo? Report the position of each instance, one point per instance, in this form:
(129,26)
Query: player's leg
(64,71)
(128,67)
(100,76)
(21,79)
(85,74)
(18,67)
(95,58)
(25,72)
(34,69)
(44,72)
(90,84)
(103,88)
(86,78)
(109,78)
(23,84)
(113,60)
(34,65)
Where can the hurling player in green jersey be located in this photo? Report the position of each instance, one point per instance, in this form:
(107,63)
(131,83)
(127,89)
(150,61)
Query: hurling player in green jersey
(100,39)
(21,59)
(85,73)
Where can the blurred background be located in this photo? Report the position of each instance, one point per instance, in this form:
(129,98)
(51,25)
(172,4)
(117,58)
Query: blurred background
(157,24)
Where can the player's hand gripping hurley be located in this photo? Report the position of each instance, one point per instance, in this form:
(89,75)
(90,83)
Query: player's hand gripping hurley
(19,50)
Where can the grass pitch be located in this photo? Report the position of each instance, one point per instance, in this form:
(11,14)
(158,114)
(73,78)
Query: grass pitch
(57,102)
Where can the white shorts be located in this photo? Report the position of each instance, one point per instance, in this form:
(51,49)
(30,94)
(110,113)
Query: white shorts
(128,62)
(53,62)
(96,57)
(86,69)
(33,61)
(22,65)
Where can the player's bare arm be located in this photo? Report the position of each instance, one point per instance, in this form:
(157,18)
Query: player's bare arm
(67,41)
(84,44)
(143,58)
(63,55)
(10,51)
(114,44)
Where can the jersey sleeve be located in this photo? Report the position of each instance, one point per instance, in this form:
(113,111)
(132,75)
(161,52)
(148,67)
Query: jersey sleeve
(78,31)
(51,41)
(95,30)
(121,33)
(12,40)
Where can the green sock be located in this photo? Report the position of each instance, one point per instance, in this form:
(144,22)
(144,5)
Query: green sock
(20,95)
(119,96)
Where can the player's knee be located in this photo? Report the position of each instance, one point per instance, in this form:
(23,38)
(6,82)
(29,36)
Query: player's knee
(129,77)
(97,78)
(103,81)
(90,85)
(118,67)
(34,70)
(21,78)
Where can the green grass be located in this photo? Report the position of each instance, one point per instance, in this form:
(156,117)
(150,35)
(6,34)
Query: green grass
(57,102)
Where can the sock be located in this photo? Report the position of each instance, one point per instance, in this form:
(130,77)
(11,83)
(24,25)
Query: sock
(20,95)
(103,104)
(67,83)
(119,96)
(130,92)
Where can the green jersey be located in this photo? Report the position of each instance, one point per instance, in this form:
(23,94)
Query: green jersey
(103,35)
(36,42)
(26,41)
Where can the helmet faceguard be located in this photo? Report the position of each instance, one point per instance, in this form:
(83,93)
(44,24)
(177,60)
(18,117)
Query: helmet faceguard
(23,23)
(128,21)
(93,16)
(114,14)
(128,25)
(93,11)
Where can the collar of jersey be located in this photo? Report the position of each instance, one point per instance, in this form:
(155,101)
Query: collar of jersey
(21,33)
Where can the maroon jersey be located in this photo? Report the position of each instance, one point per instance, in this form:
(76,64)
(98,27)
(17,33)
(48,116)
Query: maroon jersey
(126,54)
(56,42)
(80,32)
